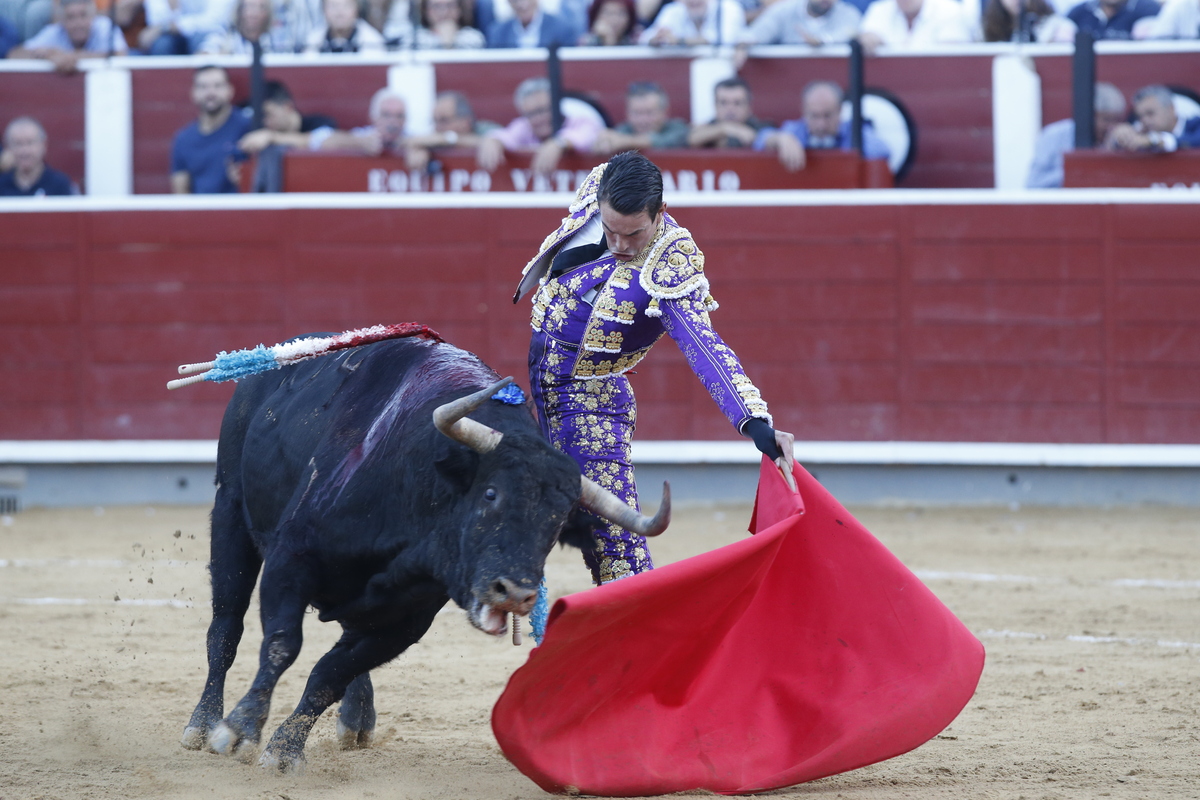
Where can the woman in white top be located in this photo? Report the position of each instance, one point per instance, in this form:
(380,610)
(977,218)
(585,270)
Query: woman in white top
(1042,24)
(693,22)
(913,24)
(1179,19)
(446,25)
(253,21)
(343,31)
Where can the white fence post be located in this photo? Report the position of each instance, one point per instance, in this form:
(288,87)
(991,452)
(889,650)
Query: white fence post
(706,73)
(108,132)
(418,84)
(1016,118)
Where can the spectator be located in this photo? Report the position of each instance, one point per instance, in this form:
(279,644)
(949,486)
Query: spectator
(293,21)
(179,27)
(79,33)
(284,128)
(914,24)
(533,131)
(393,18)
(1158,128)
(735,124)
(1111,19)
(446,25)
(819,128)
(284,125)
(811,22)
(1042,24)
(647,123)
(1058,138)
(454,125)
(531,27)
(25,147)
(572,12)
(1178,19)
(388,113)
(9,37)
(204,155)
(343,31)
(693,22)
(611,23)
(130,16)
(253,21)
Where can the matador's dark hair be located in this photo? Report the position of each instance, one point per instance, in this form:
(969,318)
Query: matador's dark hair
(631,183)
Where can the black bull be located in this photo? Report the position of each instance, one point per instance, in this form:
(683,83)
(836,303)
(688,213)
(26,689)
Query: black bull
(358,485)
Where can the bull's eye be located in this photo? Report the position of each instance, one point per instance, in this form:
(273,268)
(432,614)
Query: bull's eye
(490,494)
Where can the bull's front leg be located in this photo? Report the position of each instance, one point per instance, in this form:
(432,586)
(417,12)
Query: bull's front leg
(284,594)
(355,654)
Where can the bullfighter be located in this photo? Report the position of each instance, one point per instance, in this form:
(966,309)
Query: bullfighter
(617,274)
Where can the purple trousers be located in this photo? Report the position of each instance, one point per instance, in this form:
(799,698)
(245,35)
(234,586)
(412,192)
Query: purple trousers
(592,421)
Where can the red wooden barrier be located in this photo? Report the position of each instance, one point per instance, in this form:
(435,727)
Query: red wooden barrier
(684,170)
(1051,323)
(1137,170)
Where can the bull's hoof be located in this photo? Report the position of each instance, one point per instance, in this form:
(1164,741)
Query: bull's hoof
(228,742)
(274,761)
(195,737)
(353,740)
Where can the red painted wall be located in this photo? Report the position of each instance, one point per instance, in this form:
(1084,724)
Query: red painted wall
(1049,323)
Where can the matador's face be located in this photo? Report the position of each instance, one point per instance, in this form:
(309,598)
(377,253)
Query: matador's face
(628,234)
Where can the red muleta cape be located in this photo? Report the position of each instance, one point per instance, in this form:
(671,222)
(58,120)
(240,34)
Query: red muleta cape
(801,652)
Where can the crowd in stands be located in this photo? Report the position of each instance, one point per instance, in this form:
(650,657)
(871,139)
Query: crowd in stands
(208,153)
(64,31)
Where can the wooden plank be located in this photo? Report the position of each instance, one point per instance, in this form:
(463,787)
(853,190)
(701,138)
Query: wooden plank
(1008,303)
(994,383)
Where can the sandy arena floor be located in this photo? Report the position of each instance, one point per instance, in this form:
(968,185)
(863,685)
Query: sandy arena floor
(1091,620)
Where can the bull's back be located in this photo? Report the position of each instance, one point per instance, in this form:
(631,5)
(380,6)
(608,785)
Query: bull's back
(331,415)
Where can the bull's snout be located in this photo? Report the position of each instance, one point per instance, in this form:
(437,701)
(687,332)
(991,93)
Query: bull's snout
(506,595)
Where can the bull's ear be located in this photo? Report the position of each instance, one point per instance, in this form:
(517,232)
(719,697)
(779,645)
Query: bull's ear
(458,466)
(580,530)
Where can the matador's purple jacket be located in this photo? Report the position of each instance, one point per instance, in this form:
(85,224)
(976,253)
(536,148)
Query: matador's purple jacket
(595,322)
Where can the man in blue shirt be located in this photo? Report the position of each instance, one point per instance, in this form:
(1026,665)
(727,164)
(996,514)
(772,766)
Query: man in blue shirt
(531,27)
(1111,19)
(204,156)
(25,144)
(820,128)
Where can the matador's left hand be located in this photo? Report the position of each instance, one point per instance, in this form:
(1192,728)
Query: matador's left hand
(775,445)
(787,461)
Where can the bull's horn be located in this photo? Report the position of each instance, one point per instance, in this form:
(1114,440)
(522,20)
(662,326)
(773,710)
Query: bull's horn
(604,503)
(451,419)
